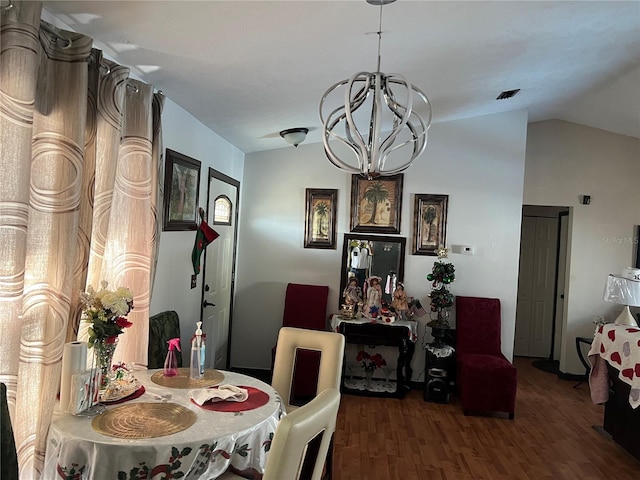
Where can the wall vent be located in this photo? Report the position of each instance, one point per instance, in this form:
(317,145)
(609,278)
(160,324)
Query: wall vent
(507,94)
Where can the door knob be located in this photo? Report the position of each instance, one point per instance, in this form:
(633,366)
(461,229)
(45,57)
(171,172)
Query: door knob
(206,304)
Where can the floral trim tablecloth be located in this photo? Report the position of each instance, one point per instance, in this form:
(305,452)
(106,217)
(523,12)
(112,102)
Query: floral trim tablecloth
(619,346)
(216,441)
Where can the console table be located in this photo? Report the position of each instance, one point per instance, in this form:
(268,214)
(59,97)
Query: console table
(400,334)
(615,381)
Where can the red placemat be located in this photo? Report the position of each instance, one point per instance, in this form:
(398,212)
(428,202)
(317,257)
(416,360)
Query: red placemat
(136,394)
(257,398)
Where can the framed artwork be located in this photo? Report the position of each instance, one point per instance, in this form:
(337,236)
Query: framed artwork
(430,223)
(376,204)
(320,218)
(181,189)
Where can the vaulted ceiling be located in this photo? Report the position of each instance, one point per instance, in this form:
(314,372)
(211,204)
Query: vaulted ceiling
(248,69)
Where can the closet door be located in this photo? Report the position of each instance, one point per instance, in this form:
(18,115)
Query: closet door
(536,287)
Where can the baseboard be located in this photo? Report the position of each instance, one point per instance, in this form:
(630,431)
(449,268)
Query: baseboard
(259,373)
(571,376)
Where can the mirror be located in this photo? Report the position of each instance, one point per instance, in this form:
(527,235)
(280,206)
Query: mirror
(367,255)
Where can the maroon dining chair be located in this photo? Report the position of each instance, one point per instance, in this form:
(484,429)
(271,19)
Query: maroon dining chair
(305,306)
(486,380)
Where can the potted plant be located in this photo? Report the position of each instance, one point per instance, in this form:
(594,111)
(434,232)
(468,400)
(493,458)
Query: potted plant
(441,276)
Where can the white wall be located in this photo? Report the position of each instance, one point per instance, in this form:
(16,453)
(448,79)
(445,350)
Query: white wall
(478,162)
(564,161)
(171,291)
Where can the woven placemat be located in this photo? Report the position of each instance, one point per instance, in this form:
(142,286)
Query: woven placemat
(144,420)
(182,380)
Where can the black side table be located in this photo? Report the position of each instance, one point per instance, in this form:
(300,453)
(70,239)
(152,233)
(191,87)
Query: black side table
(374,334)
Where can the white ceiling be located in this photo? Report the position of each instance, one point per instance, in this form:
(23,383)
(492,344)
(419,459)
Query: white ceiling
(248,69)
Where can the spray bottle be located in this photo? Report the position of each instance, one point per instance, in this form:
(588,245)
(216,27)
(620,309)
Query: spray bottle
(196,366)
(171,362)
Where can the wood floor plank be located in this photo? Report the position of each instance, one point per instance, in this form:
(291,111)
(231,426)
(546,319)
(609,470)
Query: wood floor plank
(551,437)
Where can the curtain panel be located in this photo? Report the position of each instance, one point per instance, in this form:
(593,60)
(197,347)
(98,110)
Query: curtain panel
(80,154)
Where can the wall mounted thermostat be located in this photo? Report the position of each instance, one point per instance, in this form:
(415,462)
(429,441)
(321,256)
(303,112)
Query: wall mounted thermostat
(463,249)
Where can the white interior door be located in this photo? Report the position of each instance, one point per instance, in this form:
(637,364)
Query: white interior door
(536,287)
(219,276)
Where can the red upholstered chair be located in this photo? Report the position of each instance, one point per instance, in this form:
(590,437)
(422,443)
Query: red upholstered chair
(305,306)
(486,380)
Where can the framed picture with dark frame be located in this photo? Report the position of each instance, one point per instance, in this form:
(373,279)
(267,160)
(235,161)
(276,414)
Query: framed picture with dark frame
(376,204)
(181,190)
(320,218)
(430,223)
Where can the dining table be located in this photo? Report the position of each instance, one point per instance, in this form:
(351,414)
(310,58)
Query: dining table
(160,432)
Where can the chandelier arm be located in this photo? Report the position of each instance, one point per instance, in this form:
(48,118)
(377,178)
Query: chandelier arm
(390,100)
(335,160)
(374,146)
(419,142)
(327,133)
(358,100)
(355,143)
(326,94)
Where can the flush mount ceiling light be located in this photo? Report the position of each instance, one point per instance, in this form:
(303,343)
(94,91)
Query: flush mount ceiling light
(375,130)
(295,136)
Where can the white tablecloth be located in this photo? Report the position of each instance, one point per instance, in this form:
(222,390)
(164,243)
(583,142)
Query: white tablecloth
(203,451)
(619,346)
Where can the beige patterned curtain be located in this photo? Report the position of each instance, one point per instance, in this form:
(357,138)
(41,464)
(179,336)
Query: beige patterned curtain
(78,204)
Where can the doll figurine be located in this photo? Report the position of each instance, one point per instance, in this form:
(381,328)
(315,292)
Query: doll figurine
(373,303)
(353,293)
(399,302)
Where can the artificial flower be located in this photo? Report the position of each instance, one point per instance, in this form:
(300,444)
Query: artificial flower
(105,311)
(370,362)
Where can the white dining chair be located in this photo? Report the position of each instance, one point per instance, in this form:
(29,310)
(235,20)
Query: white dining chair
(293,341)
(290,340)
(301,441)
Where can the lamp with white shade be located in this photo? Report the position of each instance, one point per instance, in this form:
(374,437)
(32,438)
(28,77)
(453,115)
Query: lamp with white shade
(624,290)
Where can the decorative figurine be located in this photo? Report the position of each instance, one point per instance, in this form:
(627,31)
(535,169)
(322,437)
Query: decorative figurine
(399,302)
(352,293)
(373,302)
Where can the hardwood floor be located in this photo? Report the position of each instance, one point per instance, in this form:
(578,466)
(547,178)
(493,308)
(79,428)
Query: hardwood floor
(551,437)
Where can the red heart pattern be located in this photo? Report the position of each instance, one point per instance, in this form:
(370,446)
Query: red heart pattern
(620,347)
(628,372)
(615,356)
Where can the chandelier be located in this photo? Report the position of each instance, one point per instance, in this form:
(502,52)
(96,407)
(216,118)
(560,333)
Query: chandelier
(374,131)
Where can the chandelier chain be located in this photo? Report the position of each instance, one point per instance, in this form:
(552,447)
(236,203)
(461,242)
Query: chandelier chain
(379,37)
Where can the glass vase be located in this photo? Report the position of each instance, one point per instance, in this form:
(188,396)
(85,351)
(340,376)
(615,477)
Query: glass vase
(104,359)
(368,378)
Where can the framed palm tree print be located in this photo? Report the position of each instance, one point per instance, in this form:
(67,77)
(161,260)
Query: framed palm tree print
(320,218)
(430,226)
(376,204)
